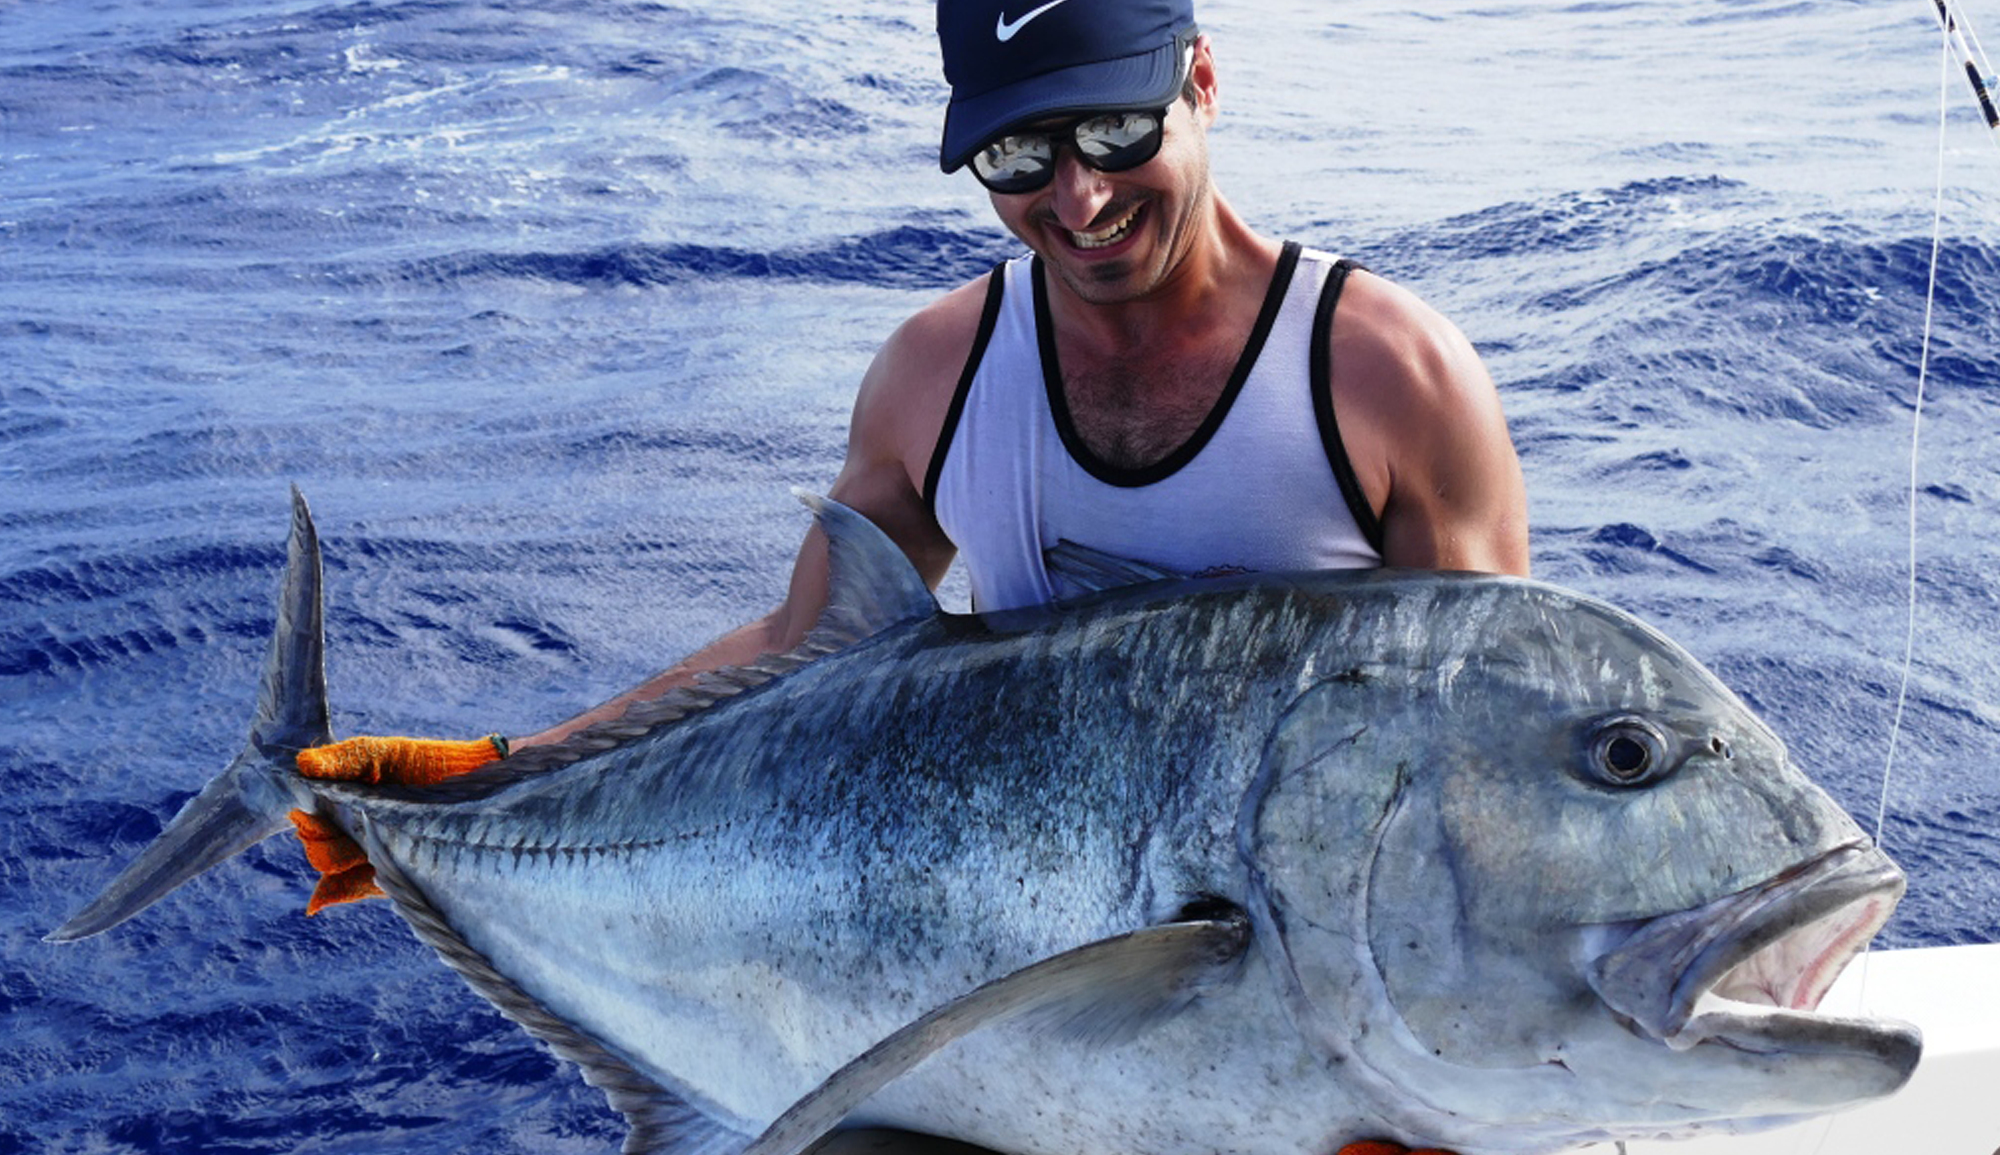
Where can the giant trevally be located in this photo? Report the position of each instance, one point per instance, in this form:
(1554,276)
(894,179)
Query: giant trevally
(1262,863)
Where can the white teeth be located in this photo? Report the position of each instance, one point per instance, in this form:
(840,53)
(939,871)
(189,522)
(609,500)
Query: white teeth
(1109,235)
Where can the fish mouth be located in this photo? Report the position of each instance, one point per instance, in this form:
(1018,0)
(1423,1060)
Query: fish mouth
(1749,970)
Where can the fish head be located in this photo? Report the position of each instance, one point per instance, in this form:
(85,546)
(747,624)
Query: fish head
(1537,878)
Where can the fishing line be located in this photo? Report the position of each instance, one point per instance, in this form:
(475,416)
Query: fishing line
(1956,35)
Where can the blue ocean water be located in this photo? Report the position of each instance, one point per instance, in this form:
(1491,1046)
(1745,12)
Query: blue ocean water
(546,306)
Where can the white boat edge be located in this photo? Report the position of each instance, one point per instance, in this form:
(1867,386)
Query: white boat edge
(1951,1106)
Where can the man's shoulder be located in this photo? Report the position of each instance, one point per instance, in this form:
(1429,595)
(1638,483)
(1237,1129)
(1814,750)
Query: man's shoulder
(943,330)
(1377,311)
(922,360)
(1387,335)
(908,389)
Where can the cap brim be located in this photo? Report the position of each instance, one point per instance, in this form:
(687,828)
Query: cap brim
(1148,80)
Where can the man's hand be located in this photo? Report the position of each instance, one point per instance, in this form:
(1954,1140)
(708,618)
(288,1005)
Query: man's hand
(400,761)
(344,873)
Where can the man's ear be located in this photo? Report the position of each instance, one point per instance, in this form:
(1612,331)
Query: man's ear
(1200,88)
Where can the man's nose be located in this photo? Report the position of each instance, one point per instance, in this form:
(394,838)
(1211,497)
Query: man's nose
(1080,191)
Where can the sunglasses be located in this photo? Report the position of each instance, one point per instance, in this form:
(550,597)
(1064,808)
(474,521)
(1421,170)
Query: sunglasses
(1021,162)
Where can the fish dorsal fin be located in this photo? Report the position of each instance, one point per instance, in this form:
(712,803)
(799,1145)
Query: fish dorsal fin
(871,583)
(1105,990)
(660,1122)
(1078,570)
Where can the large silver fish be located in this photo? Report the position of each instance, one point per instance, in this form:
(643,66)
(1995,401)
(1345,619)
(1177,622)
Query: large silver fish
(1257,864)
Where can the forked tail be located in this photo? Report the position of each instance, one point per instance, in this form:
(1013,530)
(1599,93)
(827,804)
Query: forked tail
(247,802)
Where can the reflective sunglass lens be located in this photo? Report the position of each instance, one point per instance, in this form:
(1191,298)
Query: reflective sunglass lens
(1015,163)
(1117,141)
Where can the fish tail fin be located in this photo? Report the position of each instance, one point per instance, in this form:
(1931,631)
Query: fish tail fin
(251,799)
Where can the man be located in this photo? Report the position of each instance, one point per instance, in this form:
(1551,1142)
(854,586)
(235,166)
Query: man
(1147,384)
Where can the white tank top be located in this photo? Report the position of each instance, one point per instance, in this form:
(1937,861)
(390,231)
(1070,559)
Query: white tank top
(1263,485)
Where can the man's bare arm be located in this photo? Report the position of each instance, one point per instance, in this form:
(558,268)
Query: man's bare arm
(1423,427)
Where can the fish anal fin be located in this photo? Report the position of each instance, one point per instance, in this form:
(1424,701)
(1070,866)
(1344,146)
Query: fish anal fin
(659,1122)
(1107,989)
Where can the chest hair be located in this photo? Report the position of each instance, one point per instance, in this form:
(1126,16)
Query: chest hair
(1134,415)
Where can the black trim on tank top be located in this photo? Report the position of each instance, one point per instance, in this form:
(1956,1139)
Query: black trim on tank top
(989,319)
(1322,391)
(1274,298)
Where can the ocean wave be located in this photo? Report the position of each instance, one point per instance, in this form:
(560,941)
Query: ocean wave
(1671,300)
(101,577)
(756,103)
(140,630)
(1582,221)
(904,257)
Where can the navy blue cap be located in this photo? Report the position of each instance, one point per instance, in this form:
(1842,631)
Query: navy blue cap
(1013,61)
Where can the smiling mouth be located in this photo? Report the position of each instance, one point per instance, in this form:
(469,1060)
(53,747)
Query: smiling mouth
(1749,970)
(1110,234)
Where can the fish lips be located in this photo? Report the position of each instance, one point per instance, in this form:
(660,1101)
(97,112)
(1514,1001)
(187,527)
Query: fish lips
(1749,969)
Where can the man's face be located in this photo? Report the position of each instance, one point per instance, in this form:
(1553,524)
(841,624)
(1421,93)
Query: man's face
(1112,237)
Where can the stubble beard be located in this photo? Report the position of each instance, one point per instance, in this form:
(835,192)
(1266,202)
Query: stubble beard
(1135,277)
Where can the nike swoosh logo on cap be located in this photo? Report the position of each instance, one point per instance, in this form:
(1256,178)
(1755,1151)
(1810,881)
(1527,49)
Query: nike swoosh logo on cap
(1005,31)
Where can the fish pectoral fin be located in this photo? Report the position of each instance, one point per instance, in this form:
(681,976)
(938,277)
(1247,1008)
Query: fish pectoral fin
(1133,982)
(1108,989)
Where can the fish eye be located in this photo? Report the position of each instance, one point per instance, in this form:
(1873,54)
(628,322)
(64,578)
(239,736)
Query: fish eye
(1627,751)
